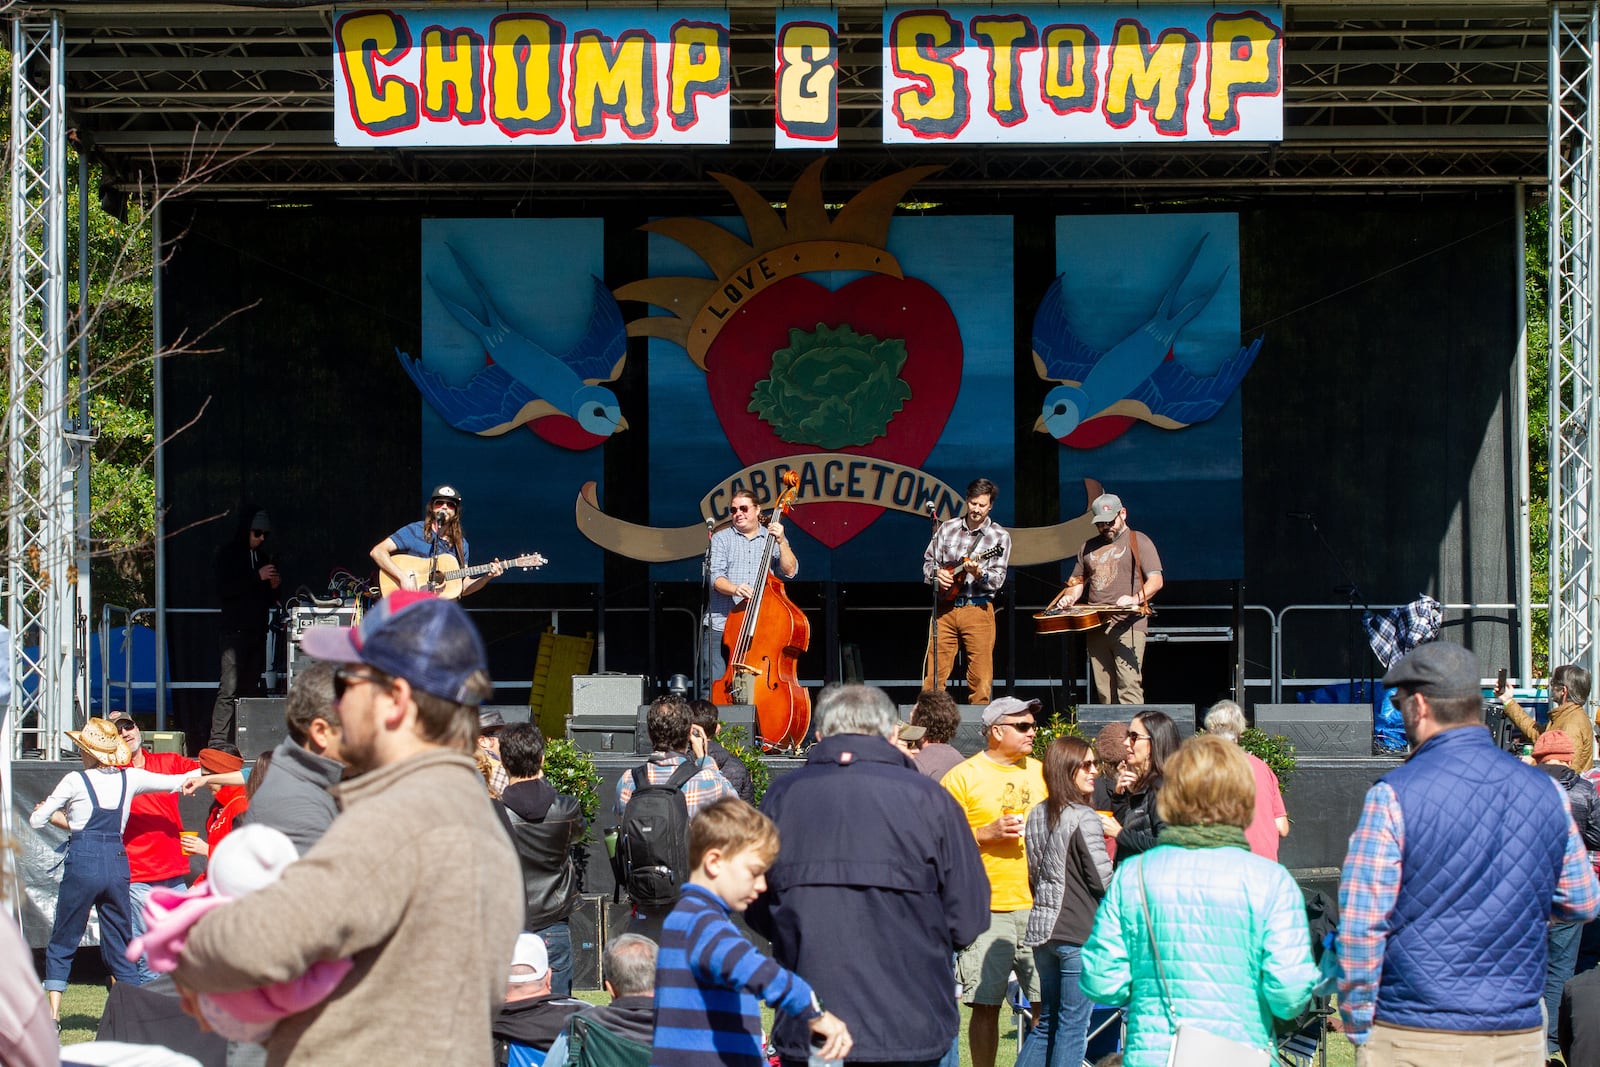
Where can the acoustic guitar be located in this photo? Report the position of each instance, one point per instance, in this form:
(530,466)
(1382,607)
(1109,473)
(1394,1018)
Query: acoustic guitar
(448,576)
(982,557)
(1075,618)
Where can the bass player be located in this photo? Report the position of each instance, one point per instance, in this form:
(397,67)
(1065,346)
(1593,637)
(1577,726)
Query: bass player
(966,560)
(736,551)
(437,534)
(1121,570)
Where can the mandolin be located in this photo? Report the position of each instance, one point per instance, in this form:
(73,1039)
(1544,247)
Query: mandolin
(982,557)
(447,577)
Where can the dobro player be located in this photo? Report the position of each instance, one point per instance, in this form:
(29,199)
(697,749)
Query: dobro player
(1120,570)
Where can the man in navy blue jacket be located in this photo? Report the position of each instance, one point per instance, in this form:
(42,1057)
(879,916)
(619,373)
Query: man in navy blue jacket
(877,884)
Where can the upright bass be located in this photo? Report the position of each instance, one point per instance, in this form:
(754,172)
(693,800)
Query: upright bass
(764,648)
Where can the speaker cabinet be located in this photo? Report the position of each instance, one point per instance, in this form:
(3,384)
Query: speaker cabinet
(1338,731)
(609,733)
(1093,716)
(261,725)
(606,694)
(588,941)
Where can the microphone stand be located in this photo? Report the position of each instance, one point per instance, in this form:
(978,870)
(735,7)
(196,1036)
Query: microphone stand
(1352,594)
(933,618)
(703,660)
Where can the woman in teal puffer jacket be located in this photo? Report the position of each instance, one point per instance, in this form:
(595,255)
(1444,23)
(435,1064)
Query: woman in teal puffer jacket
(1234,945)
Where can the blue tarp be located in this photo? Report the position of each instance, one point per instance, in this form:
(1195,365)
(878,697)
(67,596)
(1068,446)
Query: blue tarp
(141,668)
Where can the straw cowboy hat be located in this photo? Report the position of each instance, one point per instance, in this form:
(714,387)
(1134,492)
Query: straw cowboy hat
(102,741)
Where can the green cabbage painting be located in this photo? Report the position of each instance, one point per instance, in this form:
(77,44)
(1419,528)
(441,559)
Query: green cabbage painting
(832,387)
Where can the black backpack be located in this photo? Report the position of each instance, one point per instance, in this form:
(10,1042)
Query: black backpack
(651,860)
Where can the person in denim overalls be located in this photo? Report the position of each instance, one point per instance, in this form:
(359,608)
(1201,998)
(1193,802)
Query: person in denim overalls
(92,806)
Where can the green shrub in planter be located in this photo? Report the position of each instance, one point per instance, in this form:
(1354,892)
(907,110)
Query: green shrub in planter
(1275,750)
(570,771)
(735,740)
(1055,726)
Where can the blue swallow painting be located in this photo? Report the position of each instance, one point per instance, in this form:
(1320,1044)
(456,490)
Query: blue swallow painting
(1099,394)
(559,396)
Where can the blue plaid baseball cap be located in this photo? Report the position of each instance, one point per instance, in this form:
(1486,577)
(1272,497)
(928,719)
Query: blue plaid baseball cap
(409,634)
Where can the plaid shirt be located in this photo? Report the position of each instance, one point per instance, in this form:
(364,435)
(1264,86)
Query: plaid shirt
(954,542)
(1370,887)
(707,787)
(738,559)
(1399,630)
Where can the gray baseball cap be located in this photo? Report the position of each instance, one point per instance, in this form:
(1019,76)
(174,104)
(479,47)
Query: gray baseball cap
(1437,669)
(1000,707)
(1105,507)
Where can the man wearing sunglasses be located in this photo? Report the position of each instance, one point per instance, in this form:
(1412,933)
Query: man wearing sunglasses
(247,584)
(150,838)
(1118,570)
(437,533)
(736,552)
(995,789)
(415,882)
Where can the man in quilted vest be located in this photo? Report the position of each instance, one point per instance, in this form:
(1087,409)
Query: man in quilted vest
(1461,859)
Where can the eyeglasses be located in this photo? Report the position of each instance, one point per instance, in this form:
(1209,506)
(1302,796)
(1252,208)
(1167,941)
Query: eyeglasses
(260,533)
(124,725)
(1021,727)
(440,503)
(1397,700)
(742,507)
(1134,735)
(344,678)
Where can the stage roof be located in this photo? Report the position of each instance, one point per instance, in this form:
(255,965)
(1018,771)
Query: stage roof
(1405,98)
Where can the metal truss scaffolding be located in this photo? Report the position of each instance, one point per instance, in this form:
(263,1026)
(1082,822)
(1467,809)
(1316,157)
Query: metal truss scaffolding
(41,571)
(1574,330)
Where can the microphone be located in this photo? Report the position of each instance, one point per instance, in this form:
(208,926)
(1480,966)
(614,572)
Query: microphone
(1303,516)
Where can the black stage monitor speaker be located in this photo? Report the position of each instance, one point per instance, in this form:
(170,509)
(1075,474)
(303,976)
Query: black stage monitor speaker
(1338,731)
(261,725)
(1093,716)
(742,715)
(607,733)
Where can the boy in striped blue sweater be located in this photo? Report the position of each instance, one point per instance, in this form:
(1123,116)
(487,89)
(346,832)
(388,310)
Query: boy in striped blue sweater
(708,975)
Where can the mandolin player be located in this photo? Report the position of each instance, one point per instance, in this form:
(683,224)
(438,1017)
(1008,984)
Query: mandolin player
(966,561)
(1120,569)
(736,552)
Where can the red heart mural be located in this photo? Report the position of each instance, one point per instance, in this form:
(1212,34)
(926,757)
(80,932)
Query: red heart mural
(885,307)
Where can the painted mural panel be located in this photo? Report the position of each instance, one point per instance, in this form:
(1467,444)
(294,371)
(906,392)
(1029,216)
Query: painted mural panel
(1144,365)
(518,340)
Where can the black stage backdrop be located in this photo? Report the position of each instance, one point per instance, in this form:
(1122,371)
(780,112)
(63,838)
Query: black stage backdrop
(1380,404)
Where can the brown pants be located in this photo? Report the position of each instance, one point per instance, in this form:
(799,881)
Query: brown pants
(970,629)
(1392,1046)
(1116,663)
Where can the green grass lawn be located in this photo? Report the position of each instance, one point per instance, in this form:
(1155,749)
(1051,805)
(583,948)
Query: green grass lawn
(82,1005)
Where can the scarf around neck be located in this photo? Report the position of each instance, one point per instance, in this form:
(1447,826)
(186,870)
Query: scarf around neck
(1203,837)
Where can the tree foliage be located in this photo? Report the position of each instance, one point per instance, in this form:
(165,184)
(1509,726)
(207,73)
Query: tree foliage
(118,307)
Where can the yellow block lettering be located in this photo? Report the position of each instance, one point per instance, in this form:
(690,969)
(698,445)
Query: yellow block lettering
(1157,78)
(613,78)
(1070,77)
(1005,38)
(924,48)
(698,67)
(379,103)
(452,75)
(1244,62)
(525,73)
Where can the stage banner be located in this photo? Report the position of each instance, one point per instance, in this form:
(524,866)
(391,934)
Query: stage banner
(866,351)
(519,341)
(806,66)
(1142,368)
(1082,74)
(505,75)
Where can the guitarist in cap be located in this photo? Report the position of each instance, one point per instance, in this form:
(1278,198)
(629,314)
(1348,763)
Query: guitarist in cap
(966,561)
(437,534)
(1120,569)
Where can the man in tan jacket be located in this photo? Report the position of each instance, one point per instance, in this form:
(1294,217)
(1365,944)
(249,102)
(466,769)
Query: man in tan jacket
(416,882)
(1569,690)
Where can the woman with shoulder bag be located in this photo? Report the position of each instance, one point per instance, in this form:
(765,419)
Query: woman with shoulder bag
(1068,871)
(1205,942)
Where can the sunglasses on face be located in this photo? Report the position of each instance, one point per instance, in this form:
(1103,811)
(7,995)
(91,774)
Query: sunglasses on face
(1021,727)
(344,678)
(260,533)
(443,503)
(124,725)
(742,507)
(1134,735)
